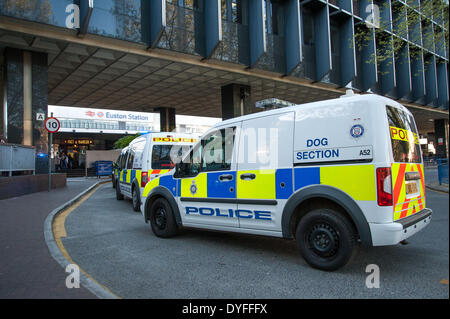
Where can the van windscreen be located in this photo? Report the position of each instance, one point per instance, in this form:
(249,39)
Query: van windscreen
(404,137)
(161,158)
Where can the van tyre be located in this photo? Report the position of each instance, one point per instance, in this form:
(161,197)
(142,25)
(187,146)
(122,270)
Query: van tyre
(162,220)
(119,195)
(327,239)
(136,199)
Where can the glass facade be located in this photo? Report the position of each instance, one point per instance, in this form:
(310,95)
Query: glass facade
(44,11)
(14,75)
(14,87)
(120,19)
(234,46)
(337,45)
(105,125)
(182,31)
(274,58)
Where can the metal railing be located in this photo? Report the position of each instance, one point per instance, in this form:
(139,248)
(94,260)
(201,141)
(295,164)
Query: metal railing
(443,170)
(14,158)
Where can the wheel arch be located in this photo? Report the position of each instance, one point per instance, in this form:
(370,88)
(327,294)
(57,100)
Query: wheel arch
(303,200)
(134,185)
(162,192)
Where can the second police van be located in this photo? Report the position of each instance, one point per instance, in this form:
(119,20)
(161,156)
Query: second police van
(332,175)
(145,158)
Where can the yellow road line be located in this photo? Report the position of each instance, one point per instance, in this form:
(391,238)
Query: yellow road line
(59,232)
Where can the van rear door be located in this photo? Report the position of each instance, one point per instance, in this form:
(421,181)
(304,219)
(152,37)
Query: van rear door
(408,183)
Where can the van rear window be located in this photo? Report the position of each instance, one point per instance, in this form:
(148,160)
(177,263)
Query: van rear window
(404,137)
(161,155)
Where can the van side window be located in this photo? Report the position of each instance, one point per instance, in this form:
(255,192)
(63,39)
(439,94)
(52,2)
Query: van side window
(192,168)
(130,159)
(213,153)
(138,150)
(123,161)
(119,160)
(218,150)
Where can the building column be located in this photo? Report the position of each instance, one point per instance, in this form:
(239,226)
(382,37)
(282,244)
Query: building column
(235,101)
(2,96)
(25,94)
(27,99)
(167,119)
(441,137)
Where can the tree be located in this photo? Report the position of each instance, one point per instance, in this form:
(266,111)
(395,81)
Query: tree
(125,141)
(421,24)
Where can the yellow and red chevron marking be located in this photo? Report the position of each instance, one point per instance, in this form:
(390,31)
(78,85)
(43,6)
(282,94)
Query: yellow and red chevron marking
(404,207)
(158,171)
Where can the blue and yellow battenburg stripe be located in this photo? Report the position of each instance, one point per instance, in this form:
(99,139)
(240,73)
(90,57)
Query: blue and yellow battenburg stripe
(358,181)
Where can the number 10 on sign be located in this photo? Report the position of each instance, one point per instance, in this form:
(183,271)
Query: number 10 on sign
(52,125)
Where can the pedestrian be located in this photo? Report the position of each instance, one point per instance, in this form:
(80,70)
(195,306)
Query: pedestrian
(63,161)
(69,161)
(57,162)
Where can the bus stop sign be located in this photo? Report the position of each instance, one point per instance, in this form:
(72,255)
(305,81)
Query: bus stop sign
(52,125)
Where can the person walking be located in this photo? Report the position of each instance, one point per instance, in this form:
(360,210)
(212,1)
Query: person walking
(64,161)
(57,162)
(69,161)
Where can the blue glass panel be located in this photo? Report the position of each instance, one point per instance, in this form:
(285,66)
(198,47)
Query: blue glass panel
(118,19)
(43,11)
(180,33)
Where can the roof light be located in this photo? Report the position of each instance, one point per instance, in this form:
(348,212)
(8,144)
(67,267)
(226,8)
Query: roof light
(272,103)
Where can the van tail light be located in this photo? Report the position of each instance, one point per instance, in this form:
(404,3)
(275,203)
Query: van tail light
(384,186)
(144,179)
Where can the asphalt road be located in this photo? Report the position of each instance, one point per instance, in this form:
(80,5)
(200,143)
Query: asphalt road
(114,245)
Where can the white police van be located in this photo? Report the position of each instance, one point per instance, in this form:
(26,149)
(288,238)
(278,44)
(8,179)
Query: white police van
(145,158)
(332,175)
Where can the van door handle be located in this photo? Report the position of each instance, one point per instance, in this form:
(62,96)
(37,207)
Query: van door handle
(226,177)
(248,176)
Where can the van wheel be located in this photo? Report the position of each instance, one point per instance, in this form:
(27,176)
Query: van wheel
(136,199)
(326,239)
(162,220)
(119,195)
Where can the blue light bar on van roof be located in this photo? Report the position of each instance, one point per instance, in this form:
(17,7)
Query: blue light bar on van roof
(272,103)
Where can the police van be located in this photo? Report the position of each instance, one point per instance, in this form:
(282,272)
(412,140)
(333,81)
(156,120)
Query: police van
(332,175)
(116,165)
(145,158)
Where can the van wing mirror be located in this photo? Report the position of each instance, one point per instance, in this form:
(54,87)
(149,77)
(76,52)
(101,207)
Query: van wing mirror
(179,169)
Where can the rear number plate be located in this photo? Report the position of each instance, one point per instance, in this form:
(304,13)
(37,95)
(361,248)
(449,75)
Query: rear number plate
(411,188)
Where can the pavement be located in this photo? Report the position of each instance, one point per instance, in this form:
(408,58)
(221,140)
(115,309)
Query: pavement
(432,181)
(113,244)
(27,270)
